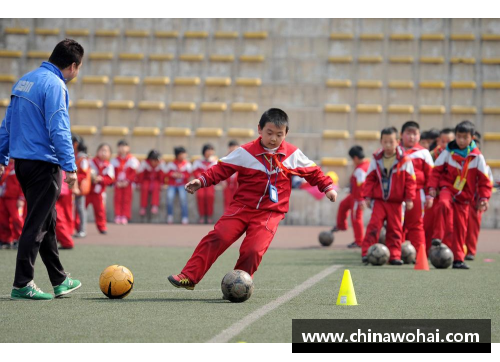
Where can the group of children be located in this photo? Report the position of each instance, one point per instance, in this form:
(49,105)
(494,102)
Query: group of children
(429,192)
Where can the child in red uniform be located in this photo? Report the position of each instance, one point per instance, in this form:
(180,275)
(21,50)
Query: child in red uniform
(459,173)
(178,173)
(413,225)
(11,202)
(206,196)
(126,167)
(83,188)
(231,184)
(354,202)
(103,175)
(265,168)
(390,182)
(150,180)
(64,220)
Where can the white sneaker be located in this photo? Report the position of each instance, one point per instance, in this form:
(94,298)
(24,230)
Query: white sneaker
(185,221)
(170,219)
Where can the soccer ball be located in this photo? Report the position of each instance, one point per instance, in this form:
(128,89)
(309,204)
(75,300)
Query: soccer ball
(116,282)
(441,256)
(325,238)
(381,238)
(408,253)
(237,286)
(378,254)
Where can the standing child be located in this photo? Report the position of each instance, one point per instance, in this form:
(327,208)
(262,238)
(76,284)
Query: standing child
(354,202)
(103,175)
(83,188)
(231,184)
(459,173)
(178,173)
(150,180)
(413,225)
(206,196)
(126,167)
(11,208)
(64,219)
(390,182)
(265,167)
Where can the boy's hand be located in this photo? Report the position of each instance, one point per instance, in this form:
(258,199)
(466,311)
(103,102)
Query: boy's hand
(429,202)
(332,195)
(98,179)
(409,205)
(432,192)
(2,170)
(483,205)
(362,205)
(193,186)
(368,203)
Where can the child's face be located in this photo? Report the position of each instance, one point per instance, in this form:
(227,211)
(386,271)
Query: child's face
(425,143)
(410,137)
(389,143)
(123,150)
(154,163)
(272,136)
(463,139)
(104,153)
(209,153)
(182,156)
(446,138)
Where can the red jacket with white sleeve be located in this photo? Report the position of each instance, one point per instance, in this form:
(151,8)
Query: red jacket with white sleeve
(422,164)
(10,188)
(146,172)
(102,168)
(255,173)
(401,183)
(358,179)
(450,165)
(125,168)
(184,167)
(202,165)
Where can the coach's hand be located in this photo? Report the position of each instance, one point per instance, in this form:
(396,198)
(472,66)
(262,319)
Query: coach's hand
(332,195)
(71,179)
(193,186)
(429,202)
(2,170)
(409,205)
(483,205)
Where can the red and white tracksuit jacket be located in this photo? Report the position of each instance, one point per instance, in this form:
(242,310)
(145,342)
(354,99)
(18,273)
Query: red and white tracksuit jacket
(64,221)
(352,201)
(230,187)
(11,217)
(454,199)
(475,217)
(82,172)
(206,195)
(388,193)
(413,225)
(150,179)
(183,167)
(125,171)
(252,210)
(97,195)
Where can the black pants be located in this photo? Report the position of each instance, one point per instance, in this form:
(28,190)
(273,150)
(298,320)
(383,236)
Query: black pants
(41,185)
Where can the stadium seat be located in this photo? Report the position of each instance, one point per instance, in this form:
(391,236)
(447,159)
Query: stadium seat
(10,62)
(84,130)
(182,114)
(95,87)
(107,40)
(144,139)
(17,38)
(156,89)
(131,64)
(341,36)
(212,115)
(160,65)
(217,88)
(6,83)
(46,38)
(113,134)
(175,136)
(208,135)
(334,143)
(101,63)
(88,112)
(125,88)
(186,89)
(136,41)
(121,113)
(151,113)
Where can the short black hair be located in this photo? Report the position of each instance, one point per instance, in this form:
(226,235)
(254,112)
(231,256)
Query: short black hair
(76,138)
(276,116)
(82,147)
(410,124)
(434,134)
(389,131)
(233,143)
(477,136)
(179,150)
(66,53)
(122,143)
(206,147)
(465,127)
(446,131)
(425,135)
(154,155)
(357,151)
(104,144)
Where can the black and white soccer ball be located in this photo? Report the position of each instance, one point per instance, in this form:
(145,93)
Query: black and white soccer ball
(378,254)
(237,286)
(408,253)
(441,256)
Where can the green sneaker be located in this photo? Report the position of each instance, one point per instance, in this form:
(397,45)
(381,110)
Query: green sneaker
(69,285)
(30,292)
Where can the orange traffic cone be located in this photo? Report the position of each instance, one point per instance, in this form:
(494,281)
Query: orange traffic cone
(422,263)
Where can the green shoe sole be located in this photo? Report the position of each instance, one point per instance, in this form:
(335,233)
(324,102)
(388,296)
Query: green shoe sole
(29,299)
(67,291)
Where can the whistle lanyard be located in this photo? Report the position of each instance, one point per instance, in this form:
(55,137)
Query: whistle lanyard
(264,158)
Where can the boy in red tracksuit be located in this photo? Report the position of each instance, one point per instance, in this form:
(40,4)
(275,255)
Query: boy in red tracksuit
(459,173)
(81,191)
(354,202)
(178,173)
(64,220)
(150,180)
(265,167)
(103,175)
(206,196)
(11,202)
(125,166)
(389,183)
(231,184)
(413,225)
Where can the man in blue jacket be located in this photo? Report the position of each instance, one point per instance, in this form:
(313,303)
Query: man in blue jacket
(36,133)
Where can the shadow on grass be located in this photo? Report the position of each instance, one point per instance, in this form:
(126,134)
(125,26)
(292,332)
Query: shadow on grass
(105,300)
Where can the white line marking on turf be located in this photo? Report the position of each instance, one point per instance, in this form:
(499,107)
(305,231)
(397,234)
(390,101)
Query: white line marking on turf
(236,328)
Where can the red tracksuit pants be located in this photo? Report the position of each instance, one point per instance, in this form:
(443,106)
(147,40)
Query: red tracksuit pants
(474,226)
(260,227)
(150,188)
(413,226)
(123,201)
(11,224)
(349,204)
(206,199)
(451,220)
(392,213)
(97,202)
(64,221)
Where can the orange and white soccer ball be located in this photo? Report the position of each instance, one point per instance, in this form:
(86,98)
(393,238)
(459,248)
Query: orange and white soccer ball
(116,282)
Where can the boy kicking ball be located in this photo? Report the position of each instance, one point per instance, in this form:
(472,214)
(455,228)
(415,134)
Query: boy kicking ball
(265,168)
